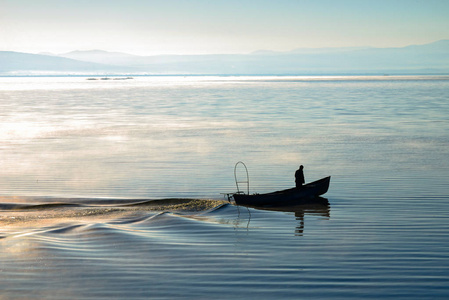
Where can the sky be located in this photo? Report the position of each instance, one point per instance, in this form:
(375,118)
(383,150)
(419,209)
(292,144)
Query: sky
(155,27)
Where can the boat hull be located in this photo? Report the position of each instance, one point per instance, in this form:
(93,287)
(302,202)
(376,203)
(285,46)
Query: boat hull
(307,194)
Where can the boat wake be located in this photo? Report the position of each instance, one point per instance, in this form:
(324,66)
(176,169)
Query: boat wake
(134,241)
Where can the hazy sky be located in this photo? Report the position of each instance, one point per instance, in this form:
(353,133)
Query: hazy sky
(217,26)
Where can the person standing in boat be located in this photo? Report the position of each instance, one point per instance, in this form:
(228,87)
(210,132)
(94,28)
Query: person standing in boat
(299,177)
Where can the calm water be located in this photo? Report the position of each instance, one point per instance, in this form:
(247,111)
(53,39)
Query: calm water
(384,141)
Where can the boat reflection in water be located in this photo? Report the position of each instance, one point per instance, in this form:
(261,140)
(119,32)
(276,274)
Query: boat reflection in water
(320,208)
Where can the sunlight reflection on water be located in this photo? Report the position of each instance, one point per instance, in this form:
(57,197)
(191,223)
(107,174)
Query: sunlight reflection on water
(171,136)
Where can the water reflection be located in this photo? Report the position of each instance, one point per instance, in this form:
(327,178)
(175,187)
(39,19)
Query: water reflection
(321,209)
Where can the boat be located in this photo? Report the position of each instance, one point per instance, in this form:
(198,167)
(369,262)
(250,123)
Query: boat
(307,194)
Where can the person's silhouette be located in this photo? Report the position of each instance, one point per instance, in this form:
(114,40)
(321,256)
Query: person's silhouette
(299,177)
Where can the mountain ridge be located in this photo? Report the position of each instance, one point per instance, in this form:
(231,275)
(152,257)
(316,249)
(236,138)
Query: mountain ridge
(427,58)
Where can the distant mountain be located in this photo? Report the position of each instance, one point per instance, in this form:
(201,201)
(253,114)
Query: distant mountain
(17,63)
(102,57)
(309,50)
(431,58)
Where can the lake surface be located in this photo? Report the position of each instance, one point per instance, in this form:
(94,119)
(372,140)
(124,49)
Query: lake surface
(78,158)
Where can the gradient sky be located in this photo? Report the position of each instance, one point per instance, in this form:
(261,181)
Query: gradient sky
(217,26)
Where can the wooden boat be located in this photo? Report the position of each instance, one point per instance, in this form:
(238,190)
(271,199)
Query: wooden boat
(307,194)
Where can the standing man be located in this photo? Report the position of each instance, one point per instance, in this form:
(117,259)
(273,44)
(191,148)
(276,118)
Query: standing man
(299,177)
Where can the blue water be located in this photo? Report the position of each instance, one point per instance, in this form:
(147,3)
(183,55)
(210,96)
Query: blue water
(384,140)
